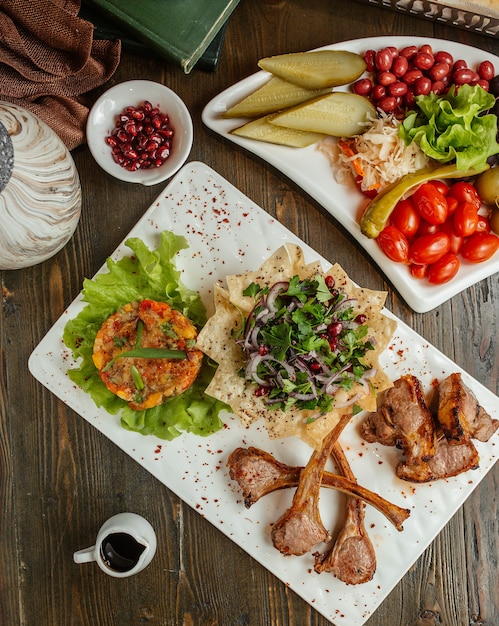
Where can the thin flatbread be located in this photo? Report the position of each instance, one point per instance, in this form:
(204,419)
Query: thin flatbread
(217,341)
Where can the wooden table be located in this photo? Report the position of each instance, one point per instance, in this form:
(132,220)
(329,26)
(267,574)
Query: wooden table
(60,478)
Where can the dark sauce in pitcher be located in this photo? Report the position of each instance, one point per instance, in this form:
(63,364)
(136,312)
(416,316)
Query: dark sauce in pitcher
(121,552)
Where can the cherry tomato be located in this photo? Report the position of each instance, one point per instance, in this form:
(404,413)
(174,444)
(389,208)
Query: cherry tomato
(440,186)
(429,248)
(394,244)
(465,219)
(480,247)
(430,203)
(456,241)
(483,225)
(444,269)
(425,228)
(465,192)
(419,271)
(405,217)
(452,204)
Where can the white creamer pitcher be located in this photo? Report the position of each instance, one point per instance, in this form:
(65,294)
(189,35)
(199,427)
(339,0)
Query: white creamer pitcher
(125,545)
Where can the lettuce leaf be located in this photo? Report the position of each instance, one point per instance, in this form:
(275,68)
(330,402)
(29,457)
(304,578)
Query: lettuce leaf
(145,274)
(454,127)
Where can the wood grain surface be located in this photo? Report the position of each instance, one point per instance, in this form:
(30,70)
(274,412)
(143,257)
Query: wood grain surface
(60,478)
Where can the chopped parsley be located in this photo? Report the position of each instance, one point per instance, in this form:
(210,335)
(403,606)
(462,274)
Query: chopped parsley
(304,342)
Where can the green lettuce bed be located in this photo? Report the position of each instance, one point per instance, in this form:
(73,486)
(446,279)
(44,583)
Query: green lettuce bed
(148,274)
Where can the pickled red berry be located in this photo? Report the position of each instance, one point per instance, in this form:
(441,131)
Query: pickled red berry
(398,76)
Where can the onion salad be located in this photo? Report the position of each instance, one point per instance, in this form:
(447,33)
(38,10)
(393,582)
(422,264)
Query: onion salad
(304,344)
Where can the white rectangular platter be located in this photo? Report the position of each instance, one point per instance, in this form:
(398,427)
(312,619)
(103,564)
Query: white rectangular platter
(309,168)
(227,233)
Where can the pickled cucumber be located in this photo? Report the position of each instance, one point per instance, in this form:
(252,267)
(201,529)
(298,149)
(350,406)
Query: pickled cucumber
(317,69)
(262,129)
(338,114)
(272,96)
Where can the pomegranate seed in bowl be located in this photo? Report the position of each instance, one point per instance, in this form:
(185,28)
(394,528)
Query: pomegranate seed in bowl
(142,137)
(140,131)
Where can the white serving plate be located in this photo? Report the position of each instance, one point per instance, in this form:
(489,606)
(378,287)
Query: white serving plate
(228,233)
(309,169)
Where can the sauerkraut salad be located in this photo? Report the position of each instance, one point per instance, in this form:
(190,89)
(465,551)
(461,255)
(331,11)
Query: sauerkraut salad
(376,158)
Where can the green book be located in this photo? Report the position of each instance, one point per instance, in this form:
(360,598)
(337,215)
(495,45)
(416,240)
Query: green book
(104,29)
(178,30)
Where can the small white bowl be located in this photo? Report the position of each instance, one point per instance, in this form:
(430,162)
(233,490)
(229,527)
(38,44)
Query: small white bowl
(102,120)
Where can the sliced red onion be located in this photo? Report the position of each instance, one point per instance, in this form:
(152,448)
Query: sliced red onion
(347,303)
(274,292)
(349,402)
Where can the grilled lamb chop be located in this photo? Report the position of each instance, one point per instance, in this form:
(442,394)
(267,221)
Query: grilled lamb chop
(300,528)
(351,558)
(448,450)
(448,460)
(405,421)
(258,473)
(460,415)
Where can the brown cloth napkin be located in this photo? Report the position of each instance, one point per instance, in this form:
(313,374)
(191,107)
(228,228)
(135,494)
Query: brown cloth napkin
(49,62)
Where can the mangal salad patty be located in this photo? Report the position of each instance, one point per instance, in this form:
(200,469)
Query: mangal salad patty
(145,353)
(295,346)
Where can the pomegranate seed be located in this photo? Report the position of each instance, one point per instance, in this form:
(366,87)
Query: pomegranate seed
(334,329)
(156,122)
(141,138)
(131,154)
(122,136)
(163,153)
(131,129)
(361,318)
(329,280)
(261,391)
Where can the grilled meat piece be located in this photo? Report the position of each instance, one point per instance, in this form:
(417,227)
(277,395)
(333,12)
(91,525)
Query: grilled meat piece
(460,415)
(300,528)
(405,421)
(258,473)
(448,460)
(351,558)
(446,448)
